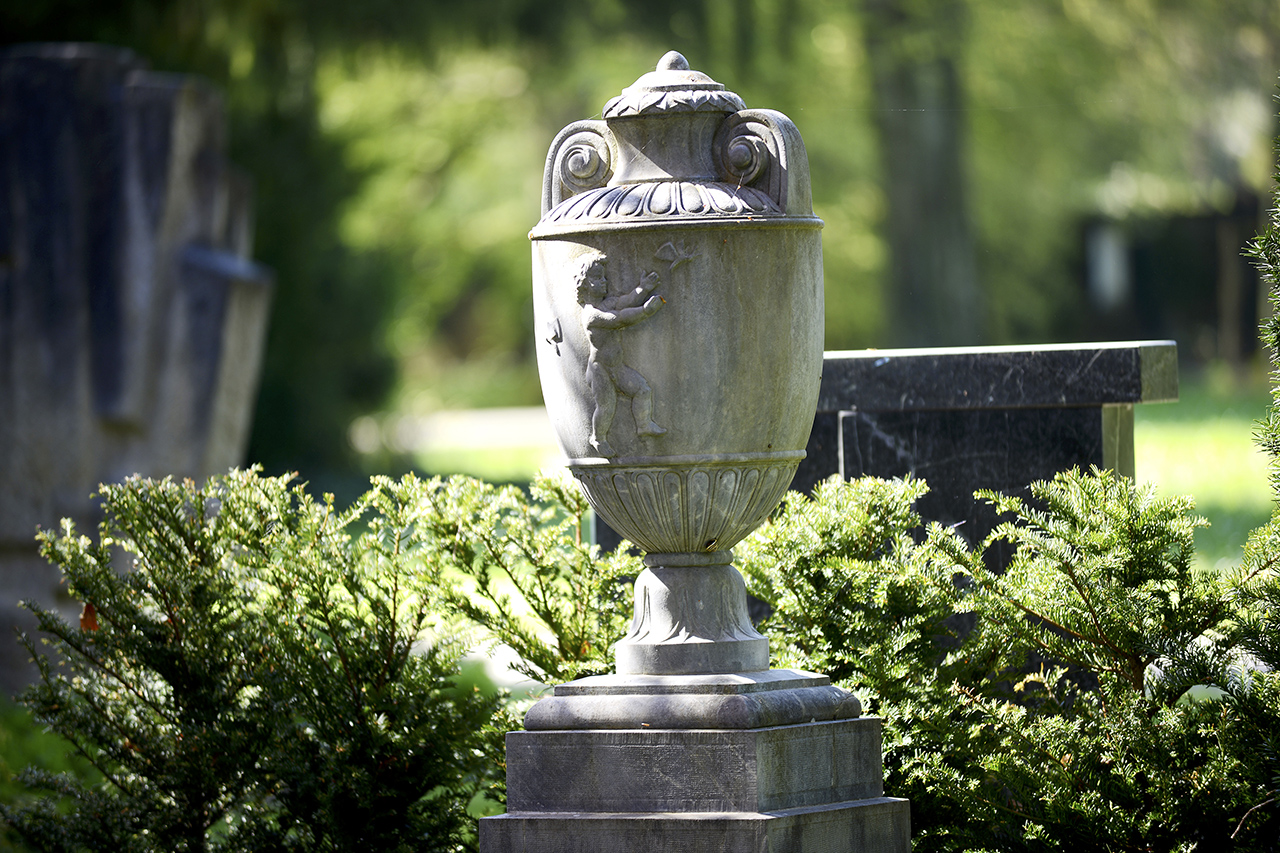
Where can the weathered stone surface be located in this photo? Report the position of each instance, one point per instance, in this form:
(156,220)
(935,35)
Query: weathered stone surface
(131,321)
(669,770)
(775,697)
(677,292)
(691,617)
(881,825)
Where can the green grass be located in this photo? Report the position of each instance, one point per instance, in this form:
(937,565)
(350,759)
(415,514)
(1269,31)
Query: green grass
(1203,446)
(25,743)
(498,465)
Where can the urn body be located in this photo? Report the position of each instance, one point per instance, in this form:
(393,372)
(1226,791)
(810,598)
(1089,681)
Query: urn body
(677,279)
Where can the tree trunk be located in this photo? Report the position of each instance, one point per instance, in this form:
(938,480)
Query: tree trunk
(914,49)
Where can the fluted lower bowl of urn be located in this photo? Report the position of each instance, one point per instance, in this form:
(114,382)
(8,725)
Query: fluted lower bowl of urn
(678,298)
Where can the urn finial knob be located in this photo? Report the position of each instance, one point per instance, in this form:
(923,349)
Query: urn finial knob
(673,60)
(673,88)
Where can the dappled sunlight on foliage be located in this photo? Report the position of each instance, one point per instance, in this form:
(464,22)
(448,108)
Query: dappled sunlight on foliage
(528,576)
(264,672)
(1101,694)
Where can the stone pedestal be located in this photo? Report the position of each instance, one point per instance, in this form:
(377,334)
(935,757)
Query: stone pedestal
(678,290)
(769,761)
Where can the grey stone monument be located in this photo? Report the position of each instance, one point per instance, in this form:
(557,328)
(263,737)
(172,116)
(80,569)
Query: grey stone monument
(132,322)
(678,300)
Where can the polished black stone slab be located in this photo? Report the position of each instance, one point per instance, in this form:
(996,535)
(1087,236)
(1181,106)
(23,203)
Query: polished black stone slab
(822,455)
(982,418)
(958,452)
(999,377)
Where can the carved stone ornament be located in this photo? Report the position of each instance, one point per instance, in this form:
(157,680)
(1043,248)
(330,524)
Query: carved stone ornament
(678,284)
(677,276)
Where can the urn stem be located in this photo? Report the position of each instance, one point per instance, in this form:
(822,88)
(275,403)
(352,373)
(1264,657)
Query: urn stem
(691,618)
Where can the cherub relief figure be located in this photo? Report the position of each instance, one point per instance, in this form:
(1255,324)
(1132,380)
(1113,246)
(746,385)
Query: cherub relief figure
(603,316)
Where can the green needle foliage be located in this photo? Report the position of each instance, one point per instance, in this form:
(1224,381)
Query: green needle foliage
(1262,553)
(527,577)
(260,671)
(854,596)
(1122,732)
(1259,604)
(1102,578)
(257,670)
(1097,695)
(254,671)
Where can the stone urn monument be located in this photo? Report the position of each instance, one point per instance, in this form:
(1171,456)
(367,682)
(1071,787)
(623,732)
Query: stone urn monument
(677,275)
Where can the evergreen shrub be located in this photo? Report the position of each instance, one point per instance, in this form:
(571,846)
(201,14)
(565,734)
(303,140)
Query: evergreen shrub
(255,670)
(1100,694)
(525,572)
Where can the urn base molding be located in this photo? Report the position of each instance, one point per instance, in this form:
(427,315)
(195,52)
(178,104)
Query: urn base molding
(745,700)
(693,505)
(691,618)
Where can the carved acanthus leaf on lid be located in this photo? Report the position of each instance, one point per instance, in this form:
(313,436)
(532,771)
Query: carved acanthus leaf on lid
(663,200)
(681,101)
(673,88)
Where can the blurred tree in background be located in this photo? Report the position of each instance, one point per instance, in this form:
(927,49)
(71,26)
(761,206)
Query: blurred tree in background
(397,151)
(914,53)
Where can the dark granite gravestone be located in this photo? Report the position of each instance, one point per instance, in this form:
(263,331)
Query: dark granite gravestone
(982,418)
(132,322)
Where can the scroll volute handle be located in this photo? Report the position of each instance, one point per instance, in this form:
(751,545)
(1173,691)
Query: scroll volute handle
(581,158)
(763,149)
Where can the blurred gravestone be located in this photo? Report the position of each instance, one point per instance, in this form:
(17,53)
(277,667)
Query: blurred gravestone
(971,418)
(131,320)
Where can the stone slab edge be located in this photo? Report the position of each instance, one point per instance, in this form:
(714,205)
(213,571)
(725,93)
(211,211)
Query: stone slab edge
(749,700)
(1047,375)
(752,710)
(879,825)
(726,683)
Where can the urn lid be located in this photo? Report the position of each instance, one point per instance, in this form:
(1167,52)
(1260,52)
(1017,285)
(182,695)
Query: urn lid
(673,88)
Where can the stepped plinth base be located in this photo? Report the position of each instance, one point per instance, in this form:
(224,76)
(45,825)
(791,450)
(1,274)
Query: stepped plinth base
(877,825)
(775,697)
(679,764)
